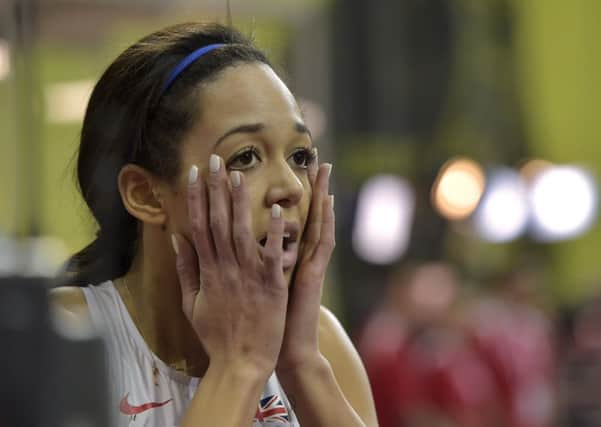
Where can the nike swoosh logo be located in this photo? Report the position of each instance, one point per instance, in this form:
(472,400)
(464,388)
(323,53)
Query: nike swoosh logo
(127,409)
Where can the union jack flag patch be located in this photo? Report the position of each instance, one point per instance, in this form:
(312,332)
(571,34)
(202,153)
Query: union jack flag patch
(272,410)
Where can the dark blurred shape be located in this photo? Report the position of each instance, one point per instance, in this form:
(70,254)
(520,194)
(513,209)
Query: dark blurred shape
(392,63)
(25,339)
(48,376)
(580,366)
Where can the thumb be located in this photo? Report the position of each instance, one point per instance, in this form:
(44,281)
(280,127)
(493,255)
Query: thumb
(314,167)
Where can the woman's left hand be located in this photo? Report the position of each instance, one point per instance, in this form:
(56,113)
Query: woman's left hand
(301,336)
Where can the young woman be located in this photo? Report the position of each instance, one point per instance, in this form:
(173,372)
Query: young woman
(215,232)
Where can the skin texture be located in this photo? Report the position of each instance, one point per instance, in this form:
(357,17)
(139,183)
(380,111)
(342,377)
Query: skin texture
(217,289)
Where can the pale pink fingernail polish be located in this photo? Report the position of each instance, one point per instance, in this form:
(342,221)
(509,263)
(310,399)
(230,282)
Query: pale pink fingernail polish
(193,175)
(175,244)
(235,177)
(276,211)
(214,163)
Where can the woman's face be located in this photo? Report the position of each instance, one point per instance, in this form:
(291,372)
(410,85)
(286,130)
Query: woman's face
(252,121)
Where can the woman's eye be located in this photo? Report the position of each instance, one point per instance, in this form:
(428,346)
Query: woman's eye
(303,158)
(244,160)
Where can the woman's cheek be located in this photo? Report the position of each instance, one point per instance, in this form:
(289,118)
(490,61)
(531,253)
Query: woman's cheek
(177,214)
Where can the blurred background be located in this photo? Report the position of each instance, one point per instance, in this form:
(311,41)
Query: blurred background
(466,147)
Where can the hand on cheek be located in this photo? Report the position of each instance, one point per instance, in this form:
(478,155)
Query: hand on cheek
(225,285)
(300,343)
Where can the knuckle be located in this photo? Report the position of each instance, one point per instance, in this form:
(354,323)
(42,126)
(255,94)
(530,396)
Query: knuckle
(242,235)
(315,225)
(193,195)
(214,183)
(330,242)
(270,255)
(216,222)
(231,276)
(197,228)
(239,240)
(312,239)
(327,247)
(272,259)
(200,240)
(180,267)
(314,274)
(206,279)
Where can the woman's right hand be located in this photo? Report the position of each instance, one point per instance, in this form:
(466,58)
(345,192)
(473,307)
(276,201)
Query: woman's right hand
(235,301)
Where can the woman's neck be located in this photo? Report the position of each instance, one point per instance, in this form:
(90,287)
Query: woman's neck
(152,295)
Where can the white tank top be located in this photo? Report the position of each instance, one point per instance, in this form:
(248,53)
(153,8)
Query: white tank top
(145,391)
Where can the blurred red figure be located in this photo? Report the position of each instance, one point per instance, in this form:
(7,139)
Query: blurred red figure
(422,369)
(515,339)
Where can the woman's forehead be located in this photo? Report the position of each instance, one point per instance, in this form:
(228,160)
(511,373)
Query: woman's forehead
(247,93)
(245,96)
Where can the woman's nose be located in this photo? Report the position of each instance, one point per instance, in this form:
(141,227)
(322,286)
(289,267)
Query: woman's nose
(284,187)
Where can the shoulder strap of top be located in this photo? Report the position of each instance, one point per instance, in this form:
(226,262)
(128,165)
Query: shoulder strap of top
(109,315)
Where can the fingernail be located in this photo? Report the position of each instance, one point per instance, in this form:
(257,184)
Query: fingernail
(329,168)
(235,177)
(214,163)
(316,153)
(276,211)
(175,244)
(331,196)
(193,175)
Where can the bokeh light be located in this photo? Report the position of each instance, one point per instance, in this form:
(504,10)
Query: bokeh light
(4,60)
(563,200)
(503,211)
(532,168)
(66,102)
(382,227)
(458,188)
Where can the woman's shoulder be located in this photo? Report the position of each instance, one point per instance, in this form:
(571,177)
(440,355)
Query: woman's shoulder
(337,347)
(69,301)
(329,325)
(334,342)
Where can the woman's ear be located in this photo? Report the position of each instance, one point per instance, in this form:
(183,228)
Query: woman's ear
(139,195)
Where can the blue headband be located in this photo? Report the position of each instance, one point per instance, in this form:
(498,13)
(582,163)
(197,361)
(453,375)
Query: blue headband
(185,63)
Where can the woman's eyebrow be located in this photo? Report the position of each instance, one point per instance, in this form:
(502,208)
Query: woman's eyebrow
(258,127)
(247,128)
(302,128)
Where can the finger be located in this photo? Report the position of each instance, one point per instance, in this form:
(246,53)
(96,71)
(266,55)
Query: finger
(327,241)
(272,255)
(220,211)
(198,214)
(313,227)
(187,272)
(313,167)
(244,240)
